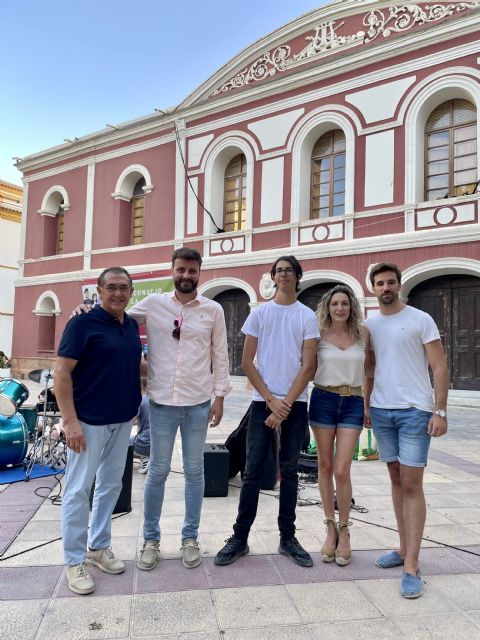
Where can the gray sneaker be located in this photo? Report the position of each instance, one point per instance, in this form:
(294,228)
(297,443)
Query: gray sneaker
(79,580)
(191,553)
(148,556)
(105,560)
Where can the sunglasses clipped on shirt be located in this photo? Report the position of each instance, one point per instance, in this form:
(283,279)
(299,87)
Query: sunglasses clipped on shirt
(178,323)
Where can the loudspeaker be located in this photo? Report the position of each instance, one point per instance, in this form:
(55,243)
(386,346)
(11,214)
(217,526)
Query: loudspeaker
(216,466)
(124,502)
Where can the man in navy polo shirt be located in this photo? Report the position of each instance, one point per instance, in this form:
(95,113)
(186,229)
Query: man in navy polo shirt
(97,385)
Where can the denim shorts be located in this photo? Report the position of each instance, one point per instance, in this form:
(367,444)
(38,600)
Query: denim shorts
(402,435)
(330,410)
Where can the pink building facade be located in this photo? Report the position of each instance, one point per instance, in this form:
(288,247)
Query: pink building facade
(346,137)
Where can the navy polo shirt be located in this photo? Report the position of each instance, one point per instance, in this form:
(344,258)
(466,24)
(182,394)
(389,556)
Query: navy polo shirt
(106,378)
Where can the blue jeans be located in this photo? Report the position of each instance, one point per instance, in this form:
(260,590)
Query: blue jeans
(164,422)
(259,437)
(105,456)
(402,434)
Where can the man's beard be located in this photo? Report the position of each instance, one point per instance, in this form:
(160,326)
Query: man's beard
(392,297)
(185,286)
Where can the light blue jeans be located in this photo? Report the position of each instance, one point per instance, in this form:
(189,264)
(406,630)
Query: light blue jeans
(105,456)
(164,422)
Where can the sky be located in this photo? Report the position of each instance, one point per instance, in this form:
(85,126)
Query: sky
(71,66)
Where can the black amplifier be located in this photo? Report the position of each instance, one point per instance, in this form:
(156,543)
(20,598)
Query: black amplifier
(216,466)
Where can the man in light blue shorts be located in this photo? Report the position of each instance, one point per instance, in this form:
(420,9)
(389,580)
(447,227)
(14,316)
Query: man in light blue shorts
(404,410)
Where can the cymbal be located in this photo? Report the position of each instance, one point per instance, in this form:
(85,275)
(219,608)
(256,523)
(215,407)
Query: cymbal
(42,376)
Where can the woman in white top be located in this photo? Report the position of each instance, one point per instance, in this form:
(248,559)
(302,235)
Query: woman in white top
(336,411)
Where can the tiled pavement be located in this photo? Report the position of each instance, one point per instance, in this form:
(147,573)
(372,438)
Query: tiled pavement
(264,595)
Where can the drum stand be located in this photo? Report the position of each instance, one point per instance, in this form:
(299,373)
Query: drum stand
(46,449)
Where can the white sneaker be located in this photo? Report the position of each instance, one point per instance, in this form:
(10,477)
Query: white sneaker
(143,464)
(79,580)
(148,556)
(191,553)
(105,560)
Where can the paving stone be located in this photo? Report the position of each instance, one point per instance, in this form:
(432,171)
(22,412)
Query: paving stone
(86,618)
(32,554)
(462,590)
(377,629)
(163,613)
(451,534)
(254,607)
(331,601)
(105,584)
(40,529)
(171,575)
(320,572)
(20,620)
(438,626)
(442,561)
(252,570)
(385,595)
(25,583)
(271,633)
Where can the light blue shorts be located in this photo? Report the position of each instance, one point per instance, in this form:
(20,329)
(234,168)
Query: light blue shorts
(402,435)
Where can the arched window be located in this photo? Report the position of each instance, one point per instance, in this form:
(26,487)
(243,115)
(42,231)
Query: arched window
(138,213)
(46,310)
(235,194)
(451,150)
(328,176)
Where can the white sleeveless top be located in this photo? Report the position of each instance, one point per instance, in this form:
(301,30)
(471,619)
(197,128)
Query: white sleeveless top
(337,367)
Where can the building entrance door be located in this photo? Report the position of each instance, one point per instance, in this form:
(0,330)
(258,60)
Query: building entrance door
(236,309)
(454,304)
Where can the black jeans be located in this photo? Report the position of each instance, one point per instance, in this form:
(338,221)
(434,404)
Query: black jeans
(259,438)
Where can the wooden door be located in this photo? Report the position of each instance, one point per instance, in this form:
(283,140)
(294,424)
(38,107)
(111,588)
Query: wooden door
(454,304)
(236,309)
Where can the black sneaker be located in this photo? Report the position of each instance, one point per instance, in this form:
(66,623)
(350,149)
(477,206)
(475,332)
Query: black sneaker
(294,550)
(233,549)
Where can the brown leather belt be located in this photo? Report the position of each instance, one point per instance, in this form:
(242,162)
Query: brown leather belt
(343,390)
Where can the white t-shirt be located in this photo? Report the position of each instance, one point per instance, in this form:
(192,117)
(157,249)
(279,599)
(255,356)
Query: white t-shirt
(281,330)
(401,371)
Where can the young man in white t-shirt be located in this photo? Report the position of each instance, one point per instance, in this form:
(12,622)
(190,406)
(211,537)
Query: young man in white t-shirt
(283,334)
(405,412)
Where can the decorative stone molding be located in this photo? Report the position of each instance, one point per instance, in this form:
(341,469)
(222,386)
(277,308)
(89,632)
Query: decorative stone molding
(127,181)
(267,290)
(446,215)
(52,200)
(324,39)
(47,304)
(398,19)
(212,288)
(266,66)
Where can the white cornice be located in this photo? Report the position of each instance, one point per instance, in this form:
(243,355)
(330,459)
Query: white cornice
(359,246)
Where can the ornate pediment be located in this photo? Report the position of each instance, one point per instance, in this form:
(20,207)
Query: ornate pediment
(330,36)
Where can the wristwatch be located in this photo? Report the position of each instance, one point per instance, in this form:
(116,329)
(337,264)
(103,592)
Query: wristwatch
(440,412)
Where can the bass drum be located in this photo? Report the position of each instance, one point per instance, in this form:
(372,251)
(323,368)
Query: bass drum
(13,440)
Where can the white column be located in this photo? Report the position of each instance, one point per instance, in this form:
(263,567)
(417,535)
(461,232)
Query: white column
(23,230)
(87,243)
(180,180)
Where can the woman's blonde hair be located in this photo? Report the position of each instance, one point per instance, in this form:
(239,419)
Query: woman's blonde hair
(354,321)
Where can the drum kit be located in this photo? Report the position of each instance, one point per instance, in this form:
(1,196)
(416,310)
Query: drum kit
(29,436)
